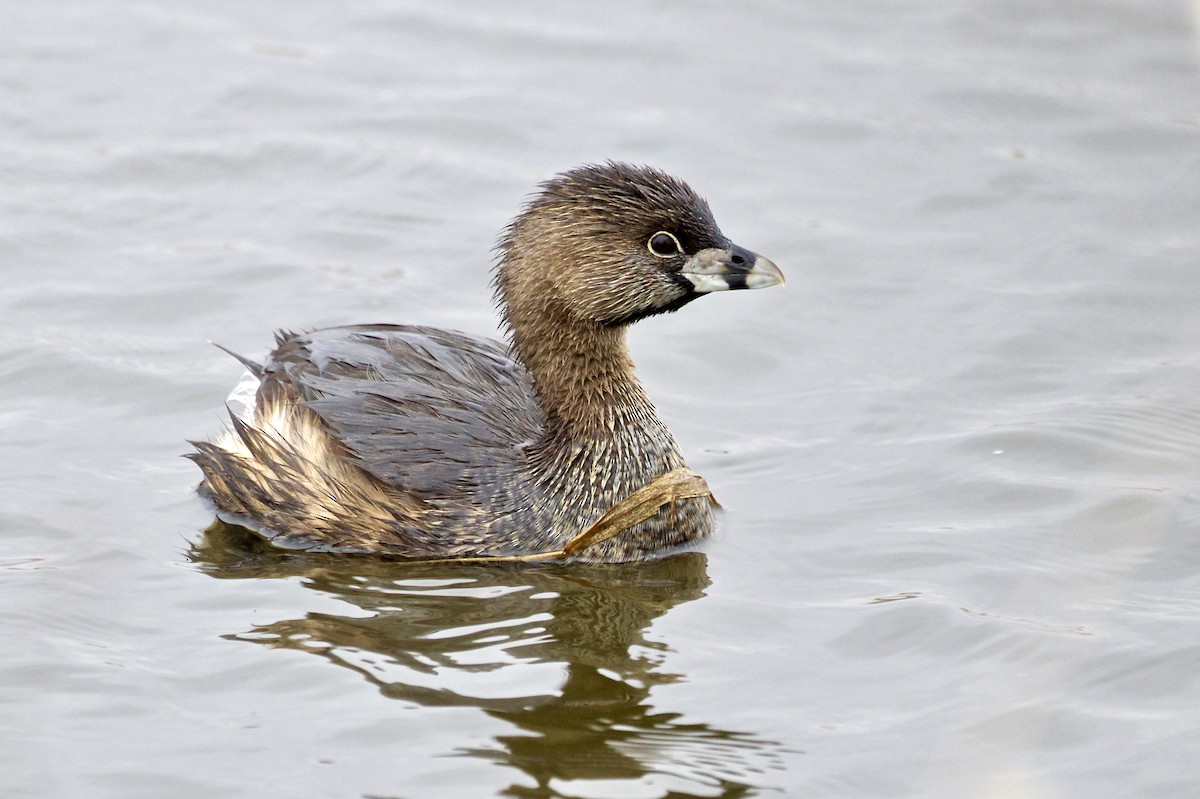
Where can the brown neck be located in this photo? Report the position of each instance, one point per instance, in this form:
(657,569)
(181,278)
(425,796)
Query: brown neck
(583,376)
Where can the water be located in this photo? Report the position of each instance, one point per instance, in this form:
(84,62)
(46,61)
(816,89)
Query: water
(960,452)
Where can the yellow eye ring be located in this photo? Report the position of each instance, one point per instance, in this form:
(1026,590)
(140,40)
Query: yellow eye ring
(664,245)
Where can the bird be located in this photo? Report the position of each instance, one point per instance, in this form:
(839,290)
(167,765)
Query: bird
(418,443)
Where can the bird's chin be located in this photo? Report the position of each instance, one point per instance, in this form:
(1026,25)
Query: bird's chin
(688,294)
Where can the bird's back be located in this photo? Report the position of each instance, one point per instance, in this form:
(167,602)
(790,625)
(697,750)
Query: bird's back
(397,439)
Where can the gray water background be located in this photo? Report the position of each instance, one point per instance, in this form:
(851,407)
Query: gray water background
(960,452)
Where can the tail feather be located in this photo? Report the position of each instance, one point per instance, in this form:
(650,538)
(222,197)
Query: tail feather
(254,367)
(280,474)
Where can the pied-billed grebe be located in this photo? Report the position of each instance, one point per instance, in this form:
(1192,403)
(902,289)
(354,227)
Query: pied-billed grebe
(415,442)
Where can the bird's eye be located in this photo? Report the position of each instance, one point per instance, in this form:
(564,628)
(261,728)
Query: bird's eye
(664,245)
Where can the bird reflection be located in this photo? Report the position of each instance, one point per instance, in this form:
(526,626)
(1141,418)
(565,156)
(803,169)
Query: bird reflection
(450,634)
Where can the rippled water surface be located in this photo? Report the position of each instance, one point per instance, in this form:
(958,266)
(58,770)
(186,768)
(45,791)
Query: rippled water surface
(960,452)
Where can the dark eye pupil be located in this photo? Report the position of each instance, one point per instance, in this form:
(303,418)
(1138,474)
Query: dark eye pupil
(663,244)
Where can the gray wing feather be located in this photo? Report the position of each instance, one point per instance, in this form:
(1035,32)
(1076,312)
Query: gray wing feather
(425,410)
